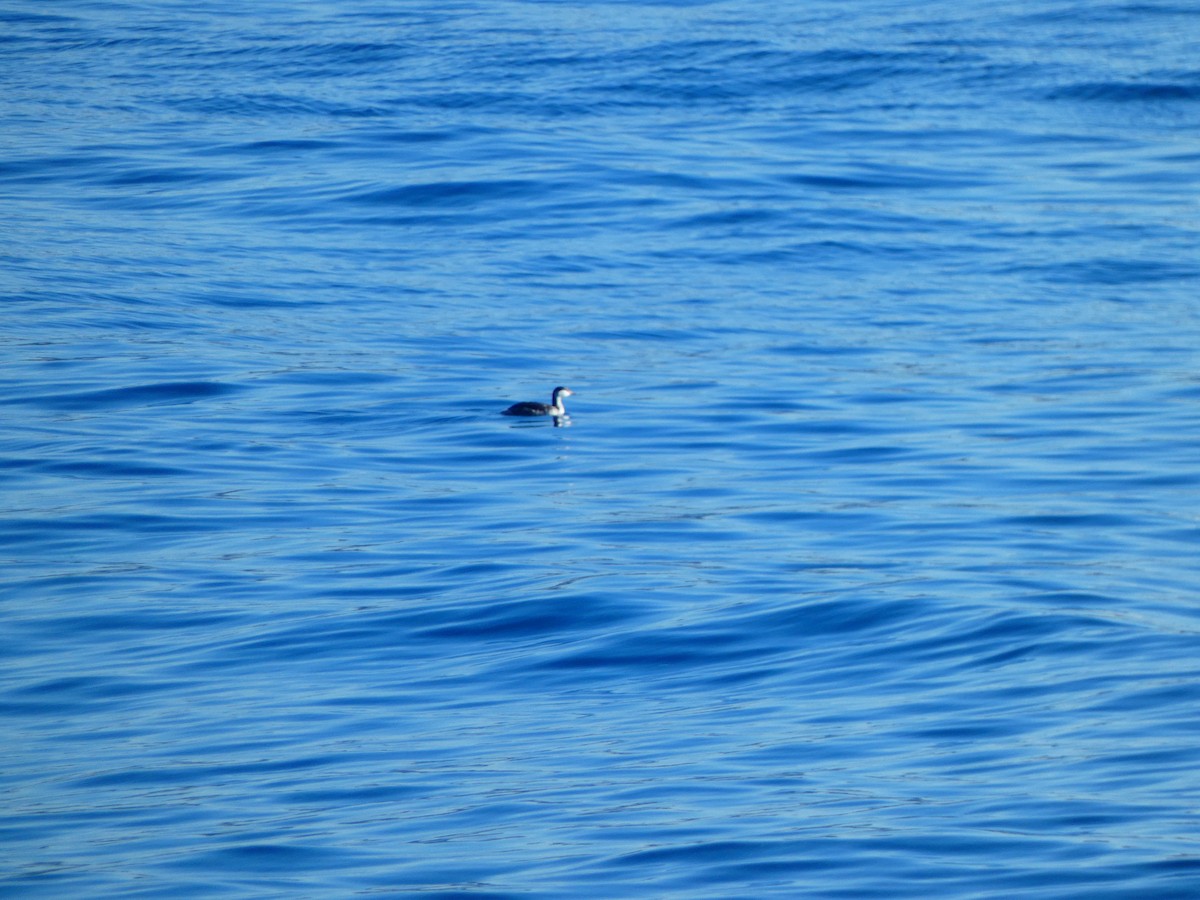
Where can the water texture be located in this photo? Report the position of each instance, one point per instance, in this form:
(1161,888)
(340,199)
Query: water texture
(867,562)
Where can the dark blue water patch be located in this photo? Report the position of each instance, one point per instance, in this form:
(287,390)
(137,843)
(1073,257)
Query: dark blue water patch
(22,17)
(1123,15)
(640,656)
(1112,272)
(818,619)
(76,698)
(265,299)
(893,398)
(262,866)
(368,138)
(130,176)
(116,303)
(1180,697)
(137,395)
(681,333)
(1178,535)
(1009,637)
(285,147)
(1064,600)
(754,71)
(1185,89)
(67,692)
(62,879)
(551,264)
(862,455)
(151,43)
(572,616)
(448,193)
(872,866)
(484,103)
(737,219)
(681,183)
(75,167)
(732,648)
(1051,521)
(109,469)
(1186,159)
(880,177)
(805,349)
(343,57)
(443,617)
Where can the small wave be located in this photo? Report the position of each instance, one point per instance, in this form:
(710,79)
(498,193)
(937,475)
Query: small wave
(886,177)
(138,395)
(1115,271)
(1127,91)
(445,193)
(110,469)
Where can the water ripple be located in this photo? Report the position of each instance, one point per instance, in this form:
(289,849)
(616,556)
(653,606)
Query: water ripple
(866,563)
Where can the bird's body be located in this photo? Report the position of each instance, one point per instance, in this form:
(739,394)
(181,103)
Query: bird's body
(553,408)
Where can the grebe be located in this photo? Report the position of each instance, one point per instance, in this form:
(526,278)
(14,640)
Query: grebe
(553,408)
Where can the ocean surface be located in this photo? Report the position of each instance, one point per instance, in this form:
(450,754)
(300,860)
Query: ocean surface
(867,564)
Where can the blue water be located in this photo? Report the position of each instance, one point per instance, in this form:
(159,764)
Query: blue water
(866,566)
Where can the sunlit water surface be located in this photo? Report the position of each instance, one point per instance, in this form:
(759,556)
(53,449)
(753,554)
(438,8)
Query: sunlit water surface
(866,565)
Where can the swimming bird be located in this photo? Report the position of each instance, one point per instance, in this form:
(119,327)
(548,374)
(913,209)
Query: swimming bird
(530,408)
